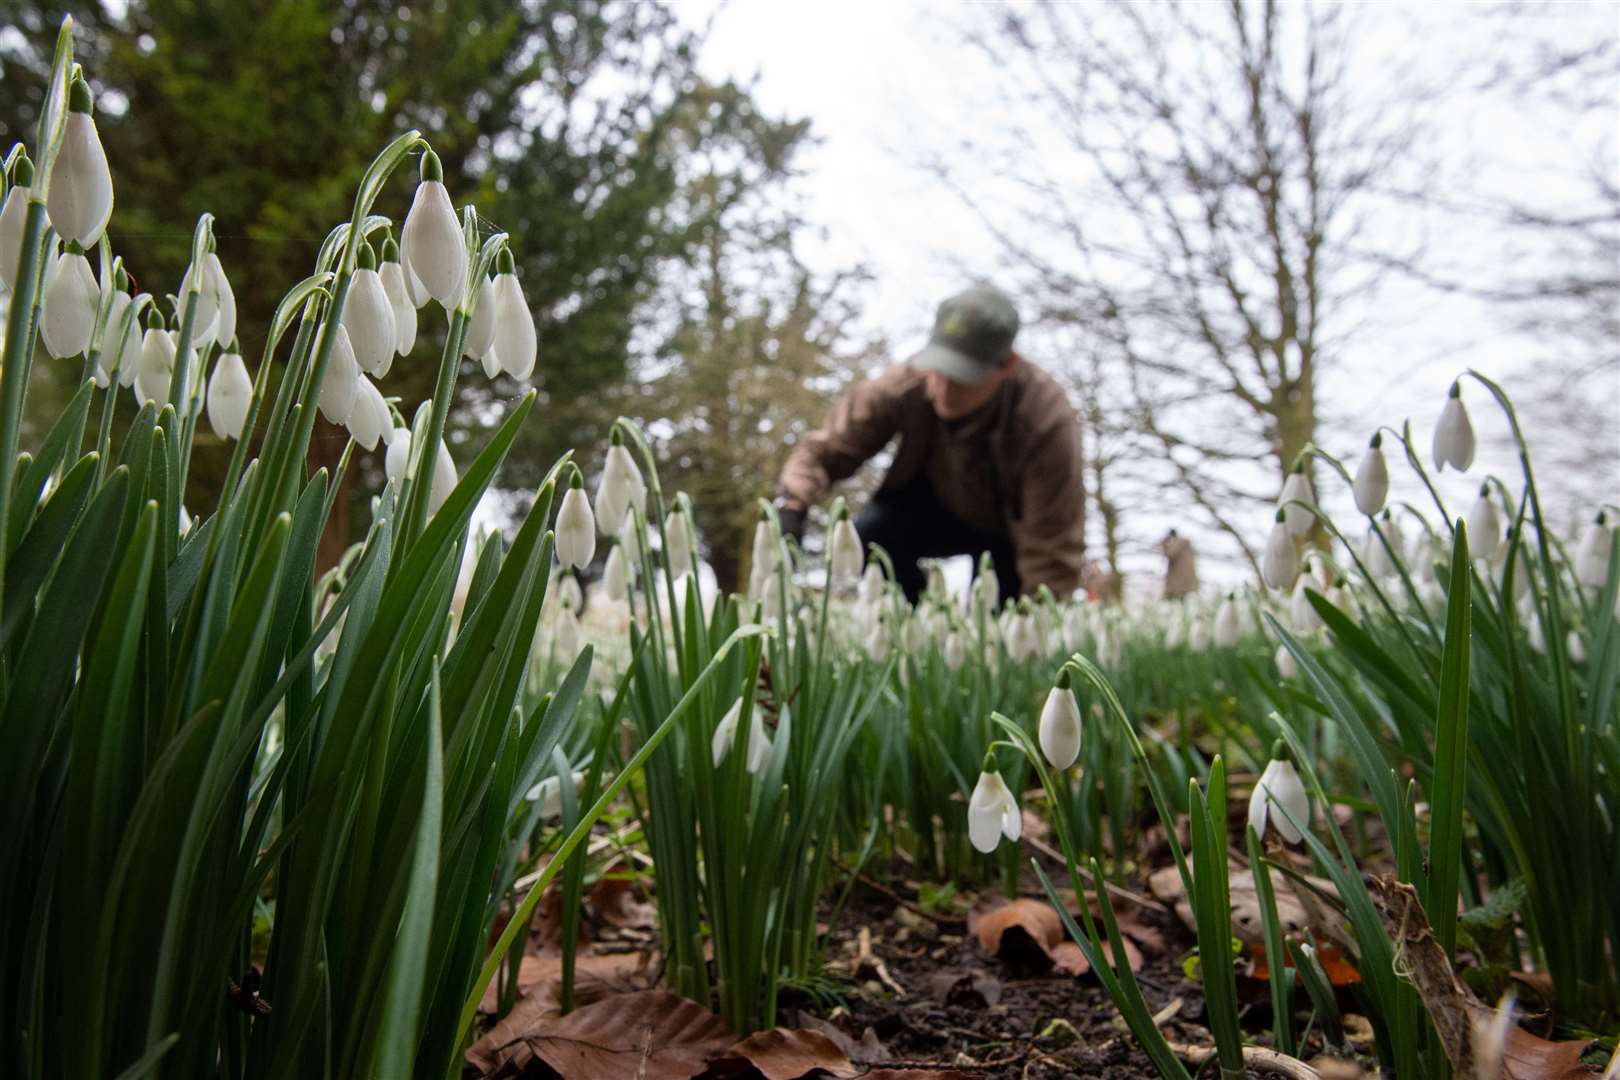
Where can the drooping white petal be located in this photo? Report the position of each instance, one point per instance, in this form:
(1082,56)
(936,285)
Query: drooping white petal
(118,345)
(992,813)
(1484,528)
(480,337)
(1280,567)
(1287,666)
(954,650)
(12,217)
(341,382)
(155,368)
(1592,553)
(1297,490)
(1060,727)
(679,555)
(205,319)
(514,328)
(1371,485)
(81,195)
(230,391)
(431,244)
(1279,784)
(398,458)
(845,555)
(725,733)
(1454,436)
(444,482)
(69,316)
(616,575)
(759,743)
(576,529)
(1228,624)
(369,319)
(369,420)
(393,279)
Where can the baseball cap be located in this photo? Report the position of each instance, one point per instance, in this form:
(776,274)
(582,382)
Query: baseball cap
(973,335)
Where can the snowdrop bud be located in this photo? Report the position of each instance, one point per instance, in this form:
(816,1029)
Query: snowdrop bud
(1060,724)
(870,589)
(1280,567)
(480,340)
(219,286)
(205,325)
(620,487)
(229,393)
(678,556)
(431,242)
(120,344)
(1297,490)
(725,733)
(368,316)
(986,591)
(12,217)
(398,457)
(566,635)
(1371,485)
(877,641)
(1484,527)
(1287,667)
(156,365)
(341,382)
(444,481)
(763,554)
(569,594)
(399,300)
(1228,623)
(81,195)
(576,526)
(954,652)
(844,554)
(514,323)
(369,419)
(1301,615)
(616,575)
(69,315)
(1454,434)
(1279,787)
(1592,553)
(759,743)
(992,812)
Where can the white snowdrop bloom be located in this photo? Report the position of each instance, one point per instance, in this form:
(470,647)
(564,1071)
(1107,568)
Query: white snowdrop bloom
(1297,490)
(368,316)
(514,337)
(1228,623)
(913,635)
(1198,634)
(68,318)
(81,195)
(954,651)
(1073,630)
(678,556)
(759,743)
(230,391)
(431,242)
(1533,631)
(205,317)
(1279,785)
(121,342)
(340,384)
(444,481)
(398,458)
(877,642)
(1175,635)
(844,554)
(1484,527)
(1301,615)
(1287,667)
(479,341)
(218,287)
(870,589)
(156,367)
(1592,553)
(369,419)
(565,586)
(1059,729)
(1280,566)
(1575,647)
(1376,556)
(986,591)
(576,526)
(404,312)
(415,291)
(992,813)
(1371,485)
(1022,640)
(725,733)
(13,215)
(616,575)
(565,635)
(1454,434)
(548,793)
(762,555)
(619,489)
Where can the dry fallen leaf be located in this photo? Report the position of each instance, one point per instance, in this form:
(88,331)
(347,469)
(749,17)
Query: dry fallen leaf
(786,1055)
(649,1034)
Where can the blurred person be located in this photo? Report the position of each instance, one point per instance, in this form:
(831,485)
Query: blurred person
(989,458)
(1181,566)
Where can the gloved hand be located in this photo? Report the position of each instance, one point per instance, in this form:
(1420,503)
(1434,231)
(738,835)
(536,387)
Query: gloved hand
(792,518)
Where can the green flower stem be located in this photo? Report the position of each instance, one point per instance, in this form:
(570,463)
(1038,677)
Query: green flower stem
(20,325)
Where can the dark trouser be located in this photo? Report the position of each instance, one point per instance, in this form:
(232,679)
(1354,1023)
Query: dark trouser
(912,524)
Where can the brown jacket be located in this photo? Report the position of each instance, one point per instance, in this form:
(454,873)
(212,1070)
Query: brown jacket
(1012,468)
(1181,573)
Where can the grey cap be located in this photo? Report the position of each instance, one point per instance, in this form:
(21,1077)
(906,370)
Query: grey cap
(973,335)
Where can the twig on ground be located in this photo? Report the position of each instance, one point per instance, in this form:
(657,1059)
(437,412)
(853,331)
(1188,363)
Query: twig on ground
(1259,1058)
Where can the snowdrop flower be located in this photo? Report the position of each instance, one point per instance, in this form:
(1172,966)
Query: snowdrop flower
(567,589)
(1371,485)
(229,393)
(431,242)
(1022,640)
(479,343)
(156,366)
(576,526)
(759,743)
(514,339)
(1297,490)
(678,556)
(1301,615)
(762,555)
(1287,667)
(1280,567)
(986,592)
(1198,634)
(13,215)
(368,316)
(548,793)
(725,733)
(399,455)
(616,575)
(954,651)
(399,301)
(369,419)
(992,812)
(81,195)
(121,343)
(1072,630)
(340,384)
(620,488)
(877,641)
(215,317)
(1228,623)
(1376,556)
(1484,527)
(68,317)
(870,589)
(1176,634)
(1279,784)
(1592,553)
(1060,724)
(444,481)
(565,635)
(844,554)
(1575,647)
(1454,434)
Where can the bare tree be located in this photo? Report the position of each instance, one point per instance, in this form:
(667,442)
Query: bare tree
(1195,184)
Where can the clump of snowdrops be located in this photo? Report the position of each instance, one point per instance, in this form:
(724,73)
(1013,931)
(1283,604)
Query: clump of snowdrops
(259,822)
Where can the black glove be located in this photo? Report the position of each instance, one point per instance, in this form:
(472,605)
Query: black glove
(792,519)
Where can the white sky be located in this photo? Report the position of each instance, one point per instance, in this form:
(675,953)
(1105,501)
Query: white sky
(885,81)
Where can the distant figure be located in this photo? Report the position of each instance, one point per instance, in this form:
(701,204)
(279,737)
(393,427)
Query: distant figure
(1181,567)
(1102,585)
(988,461)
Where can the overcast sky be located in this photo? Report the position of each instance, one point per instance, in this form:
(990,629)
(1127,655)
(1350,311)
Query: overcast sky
(886,82)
